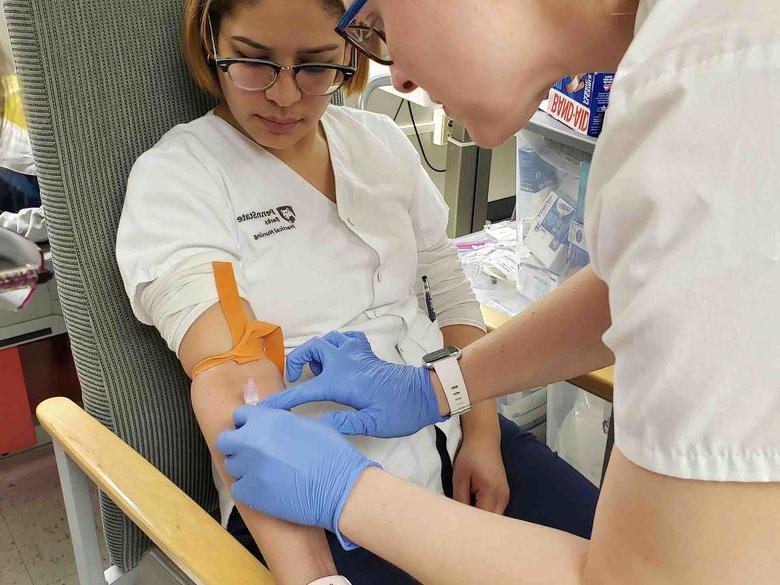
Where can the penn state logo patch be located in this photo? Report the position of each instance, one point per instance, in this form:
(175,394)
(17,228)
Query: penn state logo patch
(287,213)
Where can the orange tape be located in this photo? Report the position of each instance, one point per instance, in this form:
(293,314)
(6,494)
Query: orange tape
(252,340)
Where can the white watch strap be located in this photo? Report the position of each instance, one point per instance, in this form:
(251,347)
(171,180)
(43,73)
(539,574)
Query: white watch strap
(334,580)
(451,380)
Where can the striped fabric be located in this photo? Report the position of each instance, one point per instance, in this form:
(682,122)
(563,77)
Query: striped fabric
(102,81)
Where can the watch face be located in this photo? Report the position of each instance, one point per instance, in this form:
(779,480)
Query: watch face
(440,354)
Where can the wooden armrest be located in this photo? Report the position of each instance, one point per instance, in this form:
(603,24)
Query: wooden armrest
(599,383)
(178,526)
(494,318)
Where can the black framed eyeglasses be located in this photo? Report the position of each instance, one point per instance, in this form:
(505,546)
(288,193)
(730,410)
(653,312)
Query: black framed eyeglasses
(319,79)
(367,37)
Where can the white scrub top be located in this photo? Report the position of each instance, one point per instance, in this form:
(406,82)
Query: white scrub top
(683,224)
(205,192)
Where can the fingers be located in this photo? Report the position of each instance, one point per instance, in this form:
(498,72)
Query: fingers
(242,492)
(315,390)
(359,422)
(336,338)
(312,352)
(502,501)
(461,487)
(315,351)
(491,500)
(242,413)
(233,467)
(228,442)
(358,335)
(485,501)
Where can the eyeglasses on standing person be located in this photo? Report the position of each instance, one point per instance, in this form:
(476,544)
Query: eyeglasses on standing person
(260,74)
(366,35)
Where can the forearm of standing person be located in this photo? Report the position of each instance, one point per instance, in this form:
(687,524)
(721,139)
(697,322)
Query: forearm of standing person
(460,545)
(455,544)
(482,418)
(557,338)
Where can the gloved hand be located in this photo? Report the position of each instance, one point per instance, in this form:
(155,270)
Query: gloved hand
(391,400)
(291,467)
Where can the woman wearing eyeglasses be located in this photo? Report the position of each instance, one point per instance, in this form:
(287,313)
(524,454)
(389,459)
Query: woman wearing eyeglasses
(329,222)
(682,293)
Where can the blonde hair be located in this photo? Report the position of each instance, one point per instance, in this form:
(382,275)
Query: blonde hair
(196,42)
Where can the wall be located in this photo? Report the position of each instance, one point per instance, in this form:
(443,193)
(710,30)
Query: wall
(502,173)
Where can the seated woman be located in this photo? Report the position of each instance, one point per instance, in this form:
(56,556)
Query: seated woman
(295,194)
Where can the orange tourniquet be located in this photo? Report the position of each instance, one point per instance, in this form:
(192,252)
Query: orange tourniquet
(252,340)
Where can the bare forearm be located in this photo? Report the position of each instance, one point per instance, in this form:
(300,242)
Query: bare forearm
(555,339)
(295,554)
(454,544)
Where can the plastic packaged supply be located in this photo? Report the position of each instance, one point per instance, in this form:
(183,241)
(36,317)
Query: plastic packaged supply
(527,409)
(543,165)
(534,279)
(476,251)
(577,255)
(582,437)
(548,237)
(501,264)
(535,178)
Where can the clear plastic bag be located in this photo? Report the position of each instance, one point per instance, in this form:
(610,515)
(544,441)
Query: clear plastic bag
(577,425)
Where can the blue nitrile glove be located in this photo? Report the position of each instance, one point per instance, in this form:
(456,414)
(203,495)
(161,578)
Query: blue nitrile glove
(291,467)
(391,400)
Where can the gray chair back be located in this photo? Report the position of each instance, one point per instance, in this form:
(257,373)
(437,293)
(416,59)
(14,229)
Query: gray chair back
(103,80)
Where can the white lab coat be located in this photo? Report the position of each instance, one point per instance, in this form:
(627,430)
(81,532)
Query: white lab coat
(205,192)
(682,223)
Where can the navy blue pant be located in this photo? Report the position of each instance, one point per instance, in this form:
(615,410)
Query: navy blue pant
(544,490)
(18,191)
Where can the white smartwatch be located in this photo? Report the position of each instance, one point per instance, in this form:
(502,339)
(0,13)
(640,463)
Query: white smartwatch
(334,580)
(445,363)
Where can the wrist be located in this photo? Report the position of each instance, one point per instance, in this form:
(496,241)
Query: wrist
(481,423)
(438,390)
(352,484)
(351,518)
(481,437)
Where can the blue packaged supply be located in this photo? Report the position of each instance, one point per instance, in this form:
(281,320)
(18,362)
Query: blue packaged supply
(533,172)
(580,101)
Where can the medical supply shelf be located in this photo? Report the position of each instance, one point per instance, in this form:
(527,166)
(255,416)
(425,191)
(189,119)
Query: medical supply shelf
(547,126)
(598,383)
(468,170)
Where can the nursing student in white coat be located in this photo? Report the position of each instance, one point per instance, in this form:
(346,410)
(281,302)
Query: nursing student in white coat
(329,221)
(682,224)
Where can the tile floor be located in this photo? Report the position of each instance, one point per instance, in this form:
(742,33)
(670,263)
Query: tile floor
(35,547)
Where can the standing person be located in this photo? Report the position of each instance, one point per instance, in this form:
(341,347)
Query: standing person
(681,294)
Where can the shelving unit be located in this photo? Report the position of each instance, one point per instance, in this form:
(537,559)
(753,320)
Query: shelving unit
(544,124)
